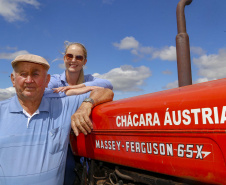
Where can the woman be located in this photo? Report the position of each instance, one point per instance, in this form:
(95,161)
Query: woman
(75,57)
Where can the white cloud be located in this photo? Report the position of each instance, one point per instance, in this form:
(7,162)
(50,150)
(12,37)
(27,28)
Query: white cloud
(197,50)
(7,93)
(127,43)
(167,72)
(11,56)
(143,51)
(200,80)
(127,78)
(171,85)
(130,43)
(166,53)
(12,10)
(169,53)
(212,66)
(146,50)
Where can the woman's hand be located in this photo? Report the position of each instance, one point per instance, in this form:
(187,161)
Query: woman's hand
(65,88)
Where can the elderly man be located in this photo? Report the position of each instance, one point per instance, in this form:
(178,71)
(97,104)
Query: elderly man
(34,129)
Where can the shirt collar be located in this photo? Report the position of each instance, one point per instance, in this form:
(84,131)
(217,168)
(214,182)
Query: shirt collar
(15,106)
(30,116)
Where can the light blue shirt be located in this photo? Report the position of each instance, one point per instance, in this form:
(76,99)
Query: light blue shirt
(34,152)
(59,80)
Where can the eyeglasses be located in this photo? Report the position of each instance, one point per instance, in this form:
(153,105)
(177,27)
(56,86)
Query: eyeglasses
(70,57)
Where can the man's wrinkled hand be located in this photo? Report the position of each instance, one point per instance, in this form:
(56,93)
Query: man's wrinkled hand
(80,120)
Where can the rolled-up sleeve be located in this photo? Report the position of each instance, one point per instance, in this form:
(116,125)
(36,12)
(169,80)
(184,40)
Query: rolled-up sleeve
(93,81)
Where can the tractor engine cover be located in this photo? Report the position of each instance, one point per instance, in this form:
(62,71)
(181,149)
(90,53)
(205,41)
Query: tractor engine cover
(178,132)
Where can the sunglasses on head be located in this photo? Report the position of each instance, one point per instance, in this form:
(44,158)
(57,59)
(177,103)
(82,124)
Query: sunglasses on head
(70,57)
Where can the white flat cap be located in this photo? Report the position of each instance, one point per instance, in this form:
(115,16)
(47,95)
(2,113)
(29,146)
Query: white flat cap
(30,58)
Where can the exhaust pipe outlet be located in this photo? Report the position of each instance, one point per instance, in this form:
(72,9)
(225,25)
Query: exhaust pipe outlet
(183,47)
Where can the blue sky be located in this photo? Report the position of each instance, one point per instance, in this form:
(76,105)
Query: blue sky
(129,42)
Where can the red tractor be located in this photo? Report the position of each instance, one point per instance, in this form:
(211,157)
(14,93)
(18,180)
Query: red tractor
(175,136)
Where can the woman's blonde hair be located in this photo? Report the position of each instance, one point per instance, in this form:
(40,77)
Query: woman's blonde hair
(67,44)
